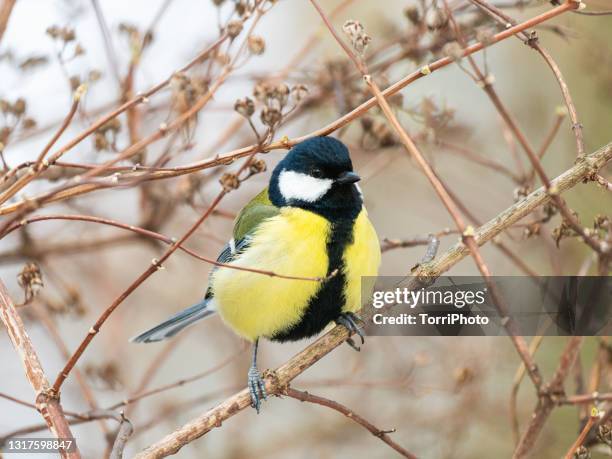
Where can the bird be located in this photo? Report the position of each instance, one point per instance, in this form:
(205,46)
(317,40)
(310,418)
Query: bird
(309,223)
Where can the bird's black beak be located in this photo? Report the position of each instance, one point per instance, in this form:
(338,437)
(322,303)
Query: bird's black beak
(347,177)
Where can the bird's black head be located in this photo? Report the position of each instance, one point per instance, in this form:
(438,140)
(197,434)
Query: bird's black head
(317,175)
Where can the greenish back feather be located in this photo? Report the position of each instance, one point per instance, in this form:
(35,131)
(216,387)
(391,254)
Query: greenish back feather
(257,210)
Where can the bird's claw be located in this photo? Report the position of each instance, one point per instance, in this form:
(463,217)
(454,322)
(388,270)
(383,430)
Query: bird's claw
(257,388)
(350,321)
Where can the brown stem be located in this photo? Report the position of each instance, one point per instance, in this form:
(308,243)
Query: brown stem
(46,402)
(5,13)
(378,433)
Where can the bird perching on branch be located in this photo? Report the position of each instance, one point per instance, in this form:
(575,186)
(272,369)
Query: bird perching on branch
(309,223)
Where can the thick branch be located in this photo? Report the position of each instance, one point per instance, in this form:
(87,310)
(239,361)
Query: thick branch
(48,406)
(5,13)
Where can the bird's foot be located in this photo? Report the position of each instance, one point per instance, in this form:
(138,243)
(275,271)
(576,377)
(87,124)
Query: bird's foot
(351,321)
(257,388)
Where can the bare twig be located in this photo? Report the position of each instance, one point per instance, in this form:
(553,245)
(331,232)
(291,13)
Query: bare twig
(383,435)
(591,421)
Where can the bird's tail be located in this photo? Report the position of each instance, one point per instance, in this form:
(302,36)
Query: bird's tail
(176,323)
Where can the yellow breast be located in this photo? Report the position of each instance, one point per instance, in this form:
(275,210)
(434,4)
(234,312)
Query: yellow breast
(292,243)
(361,258)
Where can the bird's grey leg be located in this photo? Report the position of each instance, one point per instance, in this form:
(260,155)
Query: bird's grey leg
(350,321)
(257,386)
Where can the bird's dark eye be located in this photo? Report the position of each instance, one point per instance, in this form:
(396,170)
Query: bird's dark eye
(316,173)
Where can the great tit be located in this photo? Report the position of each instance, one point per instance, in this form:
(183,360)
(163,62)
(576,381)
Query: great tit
(310,222)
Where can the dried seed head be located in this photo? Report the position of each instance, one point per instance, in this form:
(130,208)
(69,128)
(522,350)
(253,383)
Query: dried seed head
(256,44)
(222,59)
(94,75)
(30,280)
(19,107)
(229,181)
(582,453)
(234,28)
(246,107)
(270,116)
(356,32)
(257,166)
(28,123)
(485,36)
(261,91)
(605,433)
(436,19)
(79,50)
(453,50)
(299,92)
(281,94)
(5,133)
(241,7)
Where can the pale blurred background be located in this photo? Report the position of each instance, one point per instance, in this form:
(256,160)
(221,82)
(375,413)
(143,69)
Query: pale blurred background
(446,397)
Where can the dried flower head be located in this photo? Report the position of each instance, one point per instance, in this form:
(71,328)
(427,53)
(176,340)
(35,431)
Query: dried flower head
(436,19)
(30,280)
(28,123)
(245,107)
(281,94)
(604,433)
(356,33)
(261,91)
(485,36)
(229,181)
(19,107)
(270,116)
(234,28)
(299,92)
(65,34)
(256,44)
(453,50)
(257,166)
(582,453)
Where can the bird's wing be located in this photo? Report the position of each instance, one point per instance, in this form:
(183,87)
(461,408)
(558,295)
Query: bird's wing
(250,217)
(257,210)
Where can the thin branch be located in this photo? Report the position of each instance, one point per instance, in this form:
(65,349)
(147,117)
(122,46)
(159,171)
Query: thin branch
(378,433)
(547,400)
(157,236)
(593,418)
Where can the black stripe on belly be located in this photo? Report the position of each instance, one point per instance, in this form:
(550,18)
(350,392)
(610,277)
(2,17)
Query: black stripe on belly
(327,305)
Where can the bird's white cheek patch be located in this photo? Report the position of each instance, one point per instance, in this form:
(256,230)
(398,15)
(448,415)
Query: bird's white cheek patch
(295,185)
